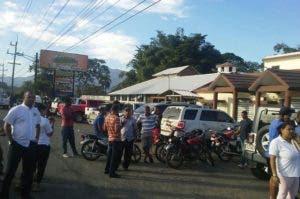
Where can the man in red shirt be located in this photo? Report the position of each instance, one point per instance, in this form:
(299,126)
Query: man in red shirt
(113,128)
(67,129)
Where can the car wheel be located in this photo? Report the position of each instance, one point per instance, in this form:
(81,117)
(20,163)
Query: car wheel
(260,172)
(262,140)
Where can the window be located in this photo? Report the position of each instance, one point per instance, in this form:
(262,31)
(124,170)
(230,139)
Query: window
(172,112)
(230,69)
(190,114)
(222,69)
(208,115)
(223,117)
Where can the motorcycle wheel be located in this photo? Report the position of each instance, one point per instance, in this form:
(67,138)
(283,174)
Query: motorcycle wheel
(221,153)
(205,156)
(160,152)
(90,150)
(174,159)
(136,154)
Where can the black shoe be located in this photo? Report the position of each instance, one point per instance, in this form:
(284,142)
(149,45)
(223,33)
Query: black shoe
(145,161)
(106,172)
(151,159)
(114,175)
(125,168)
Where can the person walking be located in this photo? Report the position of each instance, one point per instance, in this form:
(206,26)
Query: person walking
(148,122)
(22,127)
(285,163)
(43,147)
(98,123)
(113,128)
(128,132)
(67,130)
(243,132)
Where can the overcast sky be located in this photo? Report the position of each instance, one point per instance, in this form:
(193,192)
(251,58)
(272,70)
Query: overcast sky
(249,29)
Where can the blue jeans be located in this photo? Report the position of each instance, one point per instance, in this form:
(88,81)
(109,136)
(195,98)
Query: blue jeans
(67,133)
(243,159)
(113,156)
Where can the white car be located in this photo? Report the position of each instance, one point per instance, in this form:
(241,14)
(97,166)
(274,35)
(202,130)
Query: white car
(191,118)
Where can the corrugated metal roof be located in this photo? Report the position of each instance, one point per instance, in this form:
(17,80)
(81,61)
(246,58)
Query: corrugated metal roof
(170,71)
(185,93)
(162,84)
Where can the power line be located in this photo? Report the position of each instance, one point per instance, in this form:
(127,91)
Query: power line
(72,23)
(40,21)
(52,21)
(102,27)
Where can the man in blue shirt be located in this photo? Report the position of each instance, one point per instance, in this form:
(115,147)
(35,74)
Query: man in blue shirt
(98,123)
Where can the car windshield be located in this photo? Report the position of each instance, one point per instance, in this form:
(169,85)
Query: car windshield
(172,112)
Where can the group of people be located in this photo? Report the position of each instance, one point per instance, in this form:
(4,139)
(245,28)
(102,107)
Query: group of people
(28,131)
(121,133)
(283,155)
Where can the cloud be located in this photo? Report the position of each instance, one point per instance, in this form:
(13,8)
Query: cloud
(115,46)
(10,5)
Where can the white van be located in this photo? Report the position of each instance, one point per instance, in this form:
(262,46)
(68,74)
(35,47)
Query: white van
(189,118)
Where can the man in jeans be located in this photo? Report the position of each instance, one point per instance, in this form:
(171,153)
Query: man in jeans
(243,131)
(22,127)
(67,130)
(113,128)
(128,133)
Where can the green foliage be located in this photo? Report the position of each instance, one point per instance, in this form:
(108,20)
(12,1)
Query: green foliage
(97,72)
(283,48)
(241,64)
(167,51)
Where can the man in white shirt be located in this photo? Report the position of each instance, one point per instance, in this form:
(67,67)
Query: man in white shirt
(22,127)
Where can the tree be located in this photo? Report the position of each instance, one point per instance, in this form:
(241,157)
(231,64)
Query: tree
(283,48)
(241,64)
(167,51)
(97,73)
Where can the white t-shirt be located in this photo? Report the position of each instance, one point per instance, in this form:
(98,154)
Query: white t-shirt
(287,157)
(23,121)
(46,129)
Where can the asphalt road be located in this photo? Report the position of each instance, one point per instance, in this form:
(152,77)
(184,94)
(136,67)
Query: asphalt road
(78,178)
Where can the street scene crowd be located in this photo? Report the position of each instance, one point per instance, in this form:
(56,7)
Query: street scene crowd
(28,129)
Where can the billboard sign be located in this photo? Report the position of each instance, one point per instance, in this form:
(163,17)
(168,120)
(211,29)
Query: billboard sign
(63,83)
(63,61)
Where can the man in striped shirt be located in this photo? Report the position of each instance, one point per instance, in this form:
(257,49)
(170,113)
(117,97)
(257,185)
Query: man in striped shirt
(148,122)
(113,128)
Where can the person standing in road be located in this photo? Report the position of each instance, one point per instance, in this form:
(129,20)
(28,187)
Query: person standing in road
(297,128)
(243,131)
(284,116)
(148,122)
(67,130)
(98,123)
(128,132)
(285,163)
(113,127)
(43,147)
(22,127)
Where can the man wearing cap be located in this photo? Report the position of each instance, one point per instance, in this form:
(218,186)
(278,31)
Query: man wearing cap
(98,123)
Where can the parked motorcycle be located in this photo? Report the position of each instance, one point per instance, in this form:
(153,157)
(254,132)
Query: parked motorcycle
(189,147)
(226,144)
(93,147)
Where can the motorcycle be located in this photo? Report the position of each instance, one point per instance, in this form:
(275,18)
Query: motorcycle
(93,147)
(226,144)
(189,147)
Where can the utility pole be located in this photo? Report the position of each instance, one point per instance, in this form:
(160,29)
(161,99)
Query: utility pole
(14,64)
(35,68)
(3,76)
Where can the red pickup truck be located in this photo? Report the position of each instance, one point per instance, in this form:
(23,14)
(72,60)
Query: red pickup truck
(79,107)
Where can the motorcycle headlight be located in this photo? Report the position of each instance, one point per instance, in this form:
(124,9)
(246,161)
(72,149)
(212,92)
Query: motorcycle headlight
(170,139)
